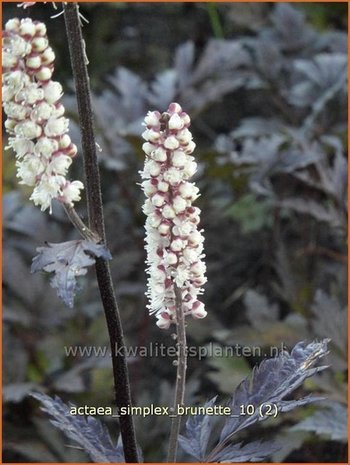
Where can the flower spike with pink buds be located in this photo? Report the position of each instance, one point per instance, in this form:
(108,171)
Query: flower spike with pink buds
(35,116)
(174,244)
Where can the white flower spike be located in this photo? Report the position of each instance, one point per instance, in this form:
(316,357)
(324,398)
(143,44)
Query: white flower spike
(174,244)
(35,118)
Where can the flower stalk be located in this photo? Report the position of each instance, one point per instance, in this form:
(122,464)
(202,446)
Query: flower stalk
(180,376)
(174,244)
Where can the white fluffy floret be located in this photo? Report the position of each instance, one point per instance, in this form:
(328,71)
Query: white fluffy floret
(35,118)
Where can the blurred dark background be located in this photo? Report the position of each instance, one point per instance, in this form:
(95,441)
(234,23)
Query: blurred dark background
(266,87)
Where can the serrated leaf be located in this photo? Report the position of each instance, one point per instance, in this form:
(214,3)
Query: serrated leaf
(330,319)
(163,89)
(289,24)
(183,62)
(257,127)
(252,452)
(324,69)
(198,429)
(219,56)
(271,382)
(319,75)
(262,151)
(88,432)
(67,260)
(132,93)
(328,214)
(260,312)
(287,405)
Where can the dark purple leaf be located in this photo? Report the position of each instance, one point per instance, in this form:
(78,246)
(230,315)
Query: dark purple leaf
(261,313)
(252,452)
(269,59)
(67,260)
(219,56)
(323,78)
(257,127)
(271,382)
(163,89)
(183,63)
(198,429)
(132,93)
(290,28)
(328,214)
(88,432)
(331,422)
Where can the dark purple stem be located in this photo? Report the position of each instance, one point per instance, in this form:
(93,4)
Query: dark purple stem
(96,224)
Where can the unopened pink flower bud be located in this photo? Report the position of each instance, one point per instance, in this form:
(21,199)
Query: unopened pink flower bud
(164,320)
(34,62)
(152,118)
(159,154)
(184,136)
(198,310)
(177,245)
(44,74)
(174,108)
(158,200)
(171,143)
(39,44)
(27,27)
(179,158)
(179,204)
(163,229)
(175,122)
(170,258)
(163,186)
(48,56)
(189,148)
(168,212)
